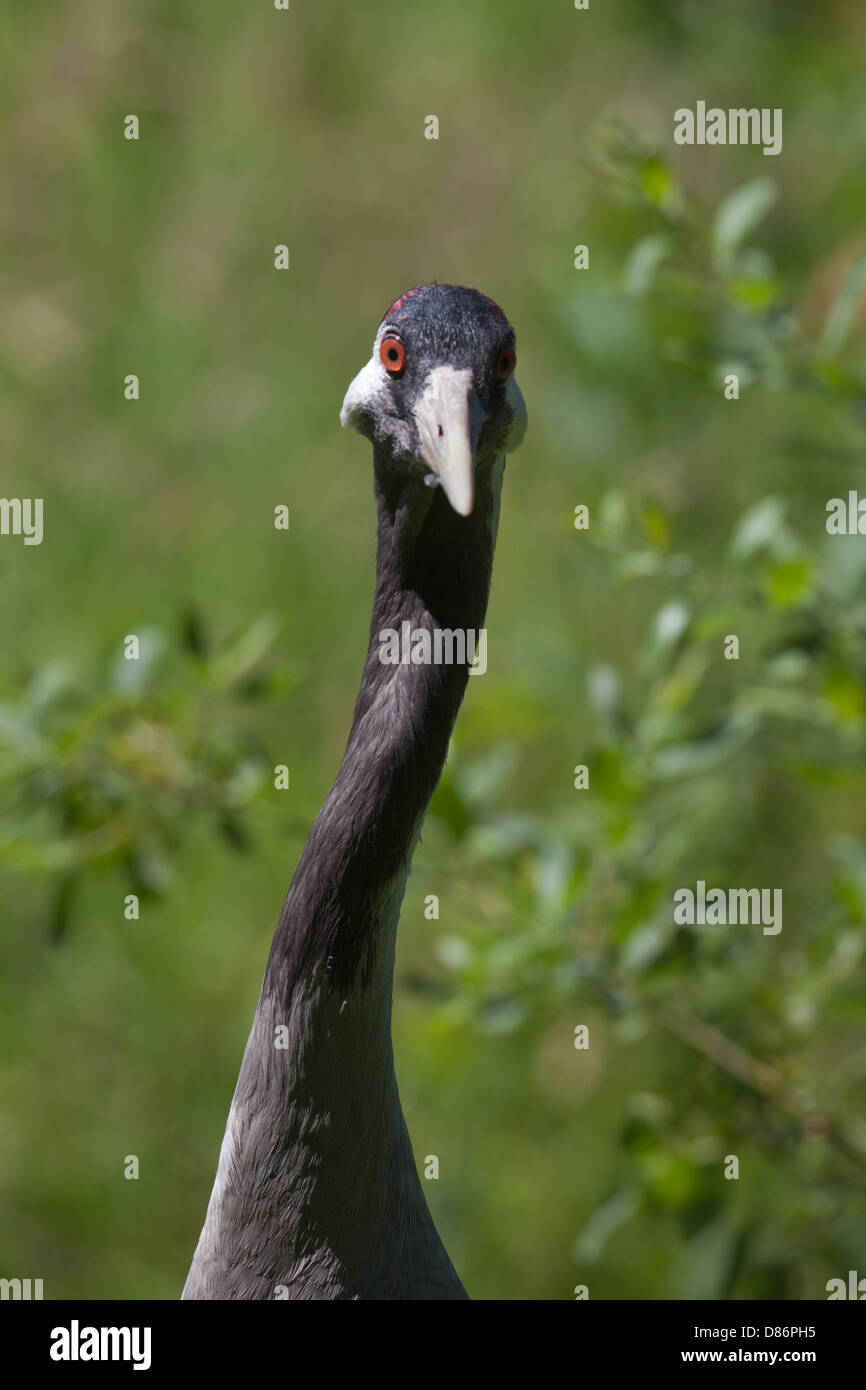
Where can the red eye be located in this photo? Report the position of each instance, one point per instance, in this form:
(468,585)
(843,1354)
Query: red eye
(506,364)
(392,354)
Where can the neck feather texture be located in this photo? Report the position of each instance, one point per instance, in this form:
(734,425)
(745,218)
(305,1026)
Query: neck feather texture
(433,571)
(317,1194)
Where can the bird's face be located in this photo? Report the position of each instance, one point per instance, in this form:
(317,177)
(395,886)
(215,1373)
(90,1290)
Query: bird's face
(438,392)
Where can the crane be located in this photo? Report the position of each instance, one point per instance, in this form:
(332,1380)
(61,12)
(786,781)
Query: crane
(316,1194)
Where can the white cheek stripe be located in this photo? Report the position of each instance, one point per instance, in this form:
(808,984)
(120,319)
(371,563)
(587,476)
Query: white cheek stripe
(370,383)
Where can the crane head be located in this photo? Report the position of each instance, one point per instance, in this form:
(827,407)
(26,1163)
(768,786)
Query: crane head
(438,392)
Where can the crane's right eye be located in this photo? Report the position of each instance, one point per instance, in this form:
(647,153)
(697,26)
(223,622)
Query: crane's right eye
(392,355)
(506,362)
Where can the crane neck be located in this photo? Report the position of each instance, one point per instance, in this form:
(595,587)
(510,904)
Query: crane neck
(433,572)
(317,1193)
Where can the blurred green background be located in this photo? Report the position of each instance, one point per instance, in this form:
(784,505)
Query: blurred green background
(558,1167)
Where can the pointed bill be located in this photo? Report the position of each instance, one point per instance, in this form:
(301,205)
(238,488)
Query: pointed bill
(449,415)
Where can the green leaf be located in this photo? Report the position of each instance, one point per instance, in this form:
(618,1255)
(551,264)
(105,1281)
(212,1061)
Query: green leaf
(606,1219)
(677,689)
(665,633)
(701,755)
(656,525)
(604,688)
(789,583)
(481,780)
(739,214)
(841,317)
(638,564)
(659,185)
(132,677)
(499,1016)
(643,262)
(762,527)
(644,945)
(673,1178)
(237,661)
(844,693)
(704,1268)
(612,511)
(755,296)
(49,685)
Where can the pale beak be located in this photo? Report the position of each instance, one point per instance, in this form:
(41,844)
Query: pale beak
(449,416)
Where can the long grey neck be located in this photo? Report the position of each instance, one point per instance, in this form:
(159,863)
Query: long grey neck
(317,1194)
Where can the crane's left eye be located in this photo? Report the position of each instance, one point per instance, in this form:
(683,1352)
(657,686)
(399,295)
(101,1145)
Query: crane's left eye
(506,363)
(392,355)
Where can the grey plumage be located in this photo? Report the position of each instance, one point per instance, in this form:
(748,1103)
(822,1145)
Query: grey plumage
(317,1194)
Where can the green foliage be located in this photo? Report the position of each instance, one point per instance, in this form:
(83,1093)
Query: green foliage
(113,772)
